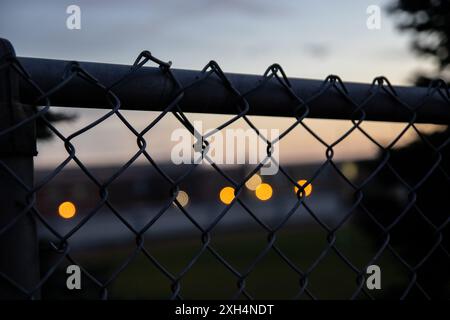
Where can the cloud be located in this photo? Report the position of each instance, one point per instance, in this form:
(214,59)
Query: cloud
(316,50)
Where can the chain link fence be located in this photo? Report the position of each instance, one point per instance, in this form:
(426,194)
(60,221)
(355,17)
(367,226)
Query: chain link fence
(419,247)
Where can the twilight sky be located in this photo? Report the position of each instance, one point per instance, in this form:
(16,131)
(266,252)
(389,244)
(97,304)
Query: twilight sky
(310,39)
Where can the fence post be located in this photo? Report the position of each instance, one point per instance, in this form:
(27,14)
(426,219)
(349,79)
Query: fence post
(19,244)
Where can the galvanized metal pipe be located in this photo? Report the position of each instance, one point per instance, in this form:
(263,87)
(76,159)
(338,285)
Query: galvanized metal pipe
(19,259)
(149,89)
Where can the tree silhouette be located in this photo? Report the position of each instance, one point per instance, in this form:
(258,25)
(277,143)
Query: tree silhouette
(415,184)
(42,131)
(429,21)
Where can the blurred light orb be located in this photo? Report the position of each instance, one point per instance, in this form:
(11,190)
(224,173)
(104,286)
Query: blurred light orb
(350,170)
(308,189)
(253,182)
(183,198)
(67,210)
(226,195)
(264,192)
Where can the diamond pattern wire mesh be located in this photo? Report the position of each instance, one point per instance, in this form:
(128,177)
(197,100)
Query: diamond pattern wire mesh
(274,73)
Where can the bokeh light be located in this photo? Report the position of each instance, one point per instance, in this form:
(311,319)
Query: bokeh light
(226,195)
(264,192)
(253,182)
(67,210)
(308,188)
(350,170)
(182,198)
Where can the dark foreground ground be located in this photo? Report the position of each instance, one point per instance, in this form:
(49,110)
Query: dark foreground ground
(271,278)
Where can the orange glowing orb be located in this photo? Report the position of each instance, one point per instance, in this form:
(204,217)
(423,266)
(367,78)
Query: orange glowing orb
(308,188)
(264,192)
(67,210)
(226,195)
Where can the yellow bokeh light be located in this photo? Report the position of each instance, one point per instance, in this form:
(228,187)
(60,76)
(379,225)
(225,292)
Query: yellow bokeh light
(227,195)
(308,188)
(264,191)
(67,210)
(253,182)
(183,198)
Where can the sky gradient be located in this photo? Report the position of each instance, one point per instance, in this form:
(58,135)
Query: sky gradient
(310,39)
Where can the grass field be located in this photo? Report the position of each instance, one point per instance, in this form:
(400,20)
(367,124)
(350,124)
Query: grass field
(208,278)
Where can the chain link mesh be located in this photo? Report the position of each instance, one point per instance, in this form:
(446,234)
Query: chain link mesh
(437,244)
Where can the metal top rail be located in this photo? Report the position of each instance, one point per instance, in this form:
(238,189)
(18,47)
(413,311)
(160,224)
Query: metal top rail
(149,89)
